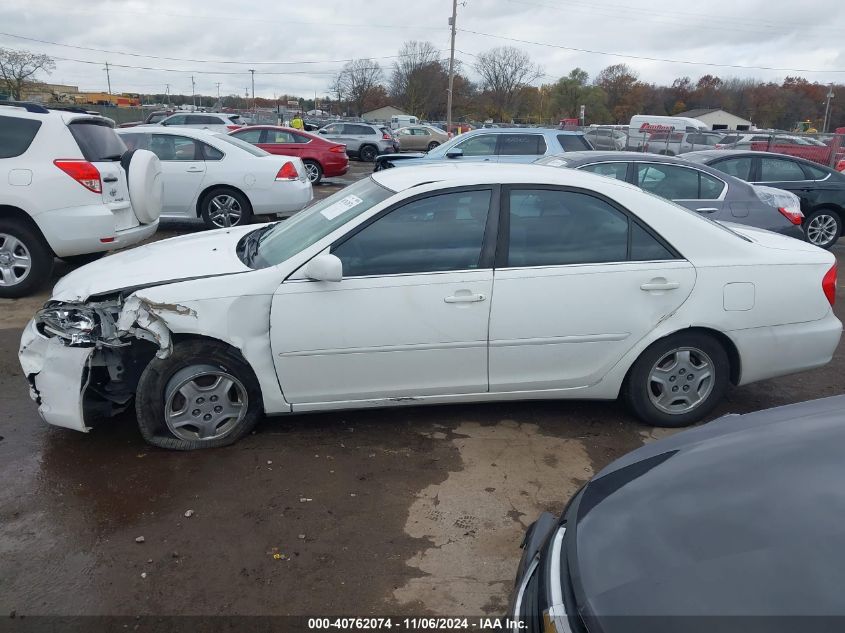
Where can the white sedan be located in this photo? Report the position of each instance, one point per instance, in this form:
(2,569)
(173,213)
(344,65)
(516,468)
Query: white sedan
(219,178)
(439,284)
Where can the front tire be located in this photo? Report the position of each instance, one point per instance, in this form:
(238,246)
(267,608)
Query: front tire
(221,208)
(823,228)
(313,171)
(678,380)
(26,261)
(202,396)
(367,153)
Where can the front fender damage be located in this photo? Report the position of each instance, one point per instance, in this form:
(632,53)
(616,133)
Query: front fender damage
(77,380)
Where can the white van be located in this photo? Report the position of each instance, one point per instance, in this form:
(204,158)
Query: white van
(643,125)
(402,121)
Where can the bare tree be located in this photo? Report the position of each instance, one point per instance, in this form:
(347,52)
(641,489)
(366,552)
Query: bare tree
(417,78)
(358,81)
(504,71)
(17,68)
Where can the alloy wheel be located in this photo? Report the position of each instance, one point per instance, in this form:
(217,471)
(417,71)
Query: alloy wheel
(822,229)
(312,171)
(681,380)
(15,260)
(204,402)
(224,210)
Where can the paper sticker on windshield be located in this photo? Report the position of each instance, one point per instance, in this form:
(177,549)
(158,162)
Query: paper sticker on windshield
(341,206)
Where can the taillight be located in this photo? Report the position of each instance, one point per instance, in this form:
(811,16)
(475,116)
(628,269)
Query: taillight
(82,172)
(840,166)
(233,127)
(287,172)
(793,215)
(829,285)
(338,149)
(386,137)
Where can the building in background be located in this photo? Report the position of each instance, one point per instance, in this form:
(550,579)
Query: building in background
(717,119)
(383,114)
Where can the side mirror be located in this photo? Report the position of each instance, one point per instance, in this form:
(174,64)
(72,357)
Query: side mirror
(454,153)
(321,131)
(162,123)
(325,267)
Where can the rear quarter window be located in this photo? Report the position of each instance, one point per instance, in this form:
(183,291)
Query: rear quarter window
(16,135)
(97,140)
(573,142)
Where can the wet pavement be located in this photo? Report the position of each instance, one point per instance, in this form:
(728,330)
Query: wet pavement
(408,511)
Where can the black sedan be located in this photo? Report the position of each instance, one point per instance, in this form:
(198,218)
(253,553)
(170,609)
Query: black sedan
(736,525)
(821,189)
(697,187)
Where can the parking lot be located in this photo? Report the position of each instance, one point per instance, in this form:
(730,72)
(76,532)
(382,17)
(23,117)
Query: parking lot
(402,511)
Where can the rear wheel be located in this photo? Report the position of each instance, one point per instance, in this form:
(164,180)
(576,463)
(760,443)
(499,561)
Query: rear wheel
(432,145)
(26,261)
(368,153)
(225,207)
(823,228)
(313,171)
(201,396)
(678,380)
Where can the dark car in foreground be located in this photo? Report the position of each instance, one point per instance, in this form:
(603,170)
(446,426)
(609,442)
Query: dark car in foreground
(821,189)
(736,525)
(694,186)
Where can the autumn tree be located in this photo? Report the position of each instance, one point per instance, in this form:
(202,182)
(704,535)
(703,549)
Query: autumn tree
(418,80)
(18,68)
(358,82)
(618,82)
(504,71)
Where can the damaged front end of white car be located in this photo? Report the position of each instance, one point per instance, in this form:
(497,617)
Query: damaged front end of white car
(105,342)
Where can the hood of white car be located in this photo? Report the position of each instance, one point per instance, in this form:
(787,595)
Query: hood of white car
(193,256)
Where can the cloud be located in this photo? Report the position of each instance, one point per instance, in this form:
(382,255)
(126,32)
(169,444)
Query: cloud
(212,31)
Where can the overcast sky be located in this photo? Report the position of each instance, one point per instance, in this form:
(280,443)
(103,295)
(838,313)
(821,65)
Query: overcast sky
(769,33)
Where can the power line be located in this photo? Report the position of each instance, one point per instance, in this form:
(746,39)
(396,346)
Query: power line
(645,58)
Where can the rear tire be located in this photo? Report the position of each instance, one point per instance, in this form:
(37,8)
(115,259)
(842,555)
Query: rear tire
(219,203)
(432,145)
(823,228)
(659,390)
(178,398)
(81,260)
(26,261)
(313,171)
(367,153)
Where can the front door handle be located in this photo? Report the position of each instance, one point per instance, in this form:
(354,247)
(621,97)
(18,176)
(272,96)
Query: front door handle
(194,170)
(707,210)
(465,298)
(659,284)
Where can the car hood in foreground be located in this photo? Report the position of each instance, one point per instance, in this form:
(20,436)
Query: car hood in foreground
(742,516)
(180,258)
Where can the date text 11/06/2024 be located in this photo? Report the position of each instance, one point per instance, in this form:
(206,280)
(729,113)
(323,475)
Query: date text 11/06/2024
(416,624)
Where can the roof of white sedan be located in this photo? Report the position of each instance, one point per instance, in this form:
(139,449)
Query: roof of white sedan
(399,179)
(192,132)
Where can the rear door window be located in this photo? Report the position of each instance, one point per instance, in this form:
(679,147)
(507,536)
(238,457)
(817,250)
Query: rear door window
(668,181)
(97,140)
(169,147)
(737,167)
(711,187)
(521,145)
(251,136)
(780,170)
(619,171)
(573,142)
(16,135)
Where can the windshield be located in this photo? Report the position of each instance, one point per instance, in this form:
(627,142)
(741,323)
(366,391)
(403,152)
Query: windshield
(252,149)
(308,227)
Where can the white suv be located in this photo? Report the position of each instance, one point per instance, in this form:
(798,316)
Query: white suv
(214,121)
(64,192)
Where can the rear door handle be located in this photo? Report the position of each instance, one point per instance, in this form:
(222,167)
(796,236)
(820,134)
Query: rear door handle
(661,284)
(194,170)
(707,210)
(467,298)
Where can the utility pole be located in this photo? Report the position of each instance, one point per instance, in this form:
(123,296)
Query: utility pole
(452,23)
(108,77)
(218,91)
(252,72)
(193,95)
(167,92)
(830,96)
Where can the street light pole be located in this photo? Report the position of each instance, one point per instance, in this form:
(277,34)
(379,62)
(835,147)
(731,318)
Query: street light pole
(252,72)
(452,23)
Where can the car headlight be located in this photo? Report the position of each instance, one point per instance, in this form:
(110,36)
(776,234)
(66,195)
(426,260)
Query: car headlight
(75,325)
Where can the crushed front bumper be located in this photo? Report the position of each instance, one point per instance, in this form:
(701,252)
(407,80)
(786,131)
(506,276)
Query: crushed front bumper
(58,376)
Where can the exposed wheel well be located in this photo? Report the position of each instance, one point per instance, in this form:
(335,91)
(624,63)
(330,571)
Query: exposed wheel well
(210,188)
(16,213)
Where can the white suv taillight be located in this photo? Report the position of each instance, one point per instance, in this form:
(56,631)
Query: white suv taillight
(82,172)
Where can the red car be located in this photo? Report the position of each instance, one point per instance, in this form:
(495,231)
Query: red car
(321,157)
